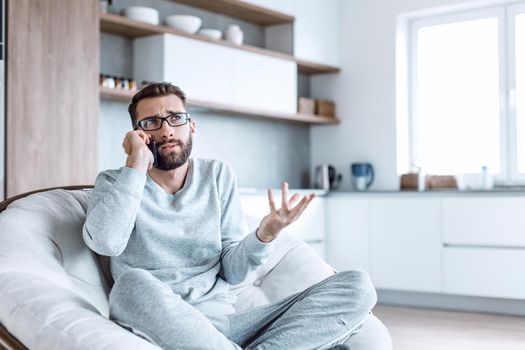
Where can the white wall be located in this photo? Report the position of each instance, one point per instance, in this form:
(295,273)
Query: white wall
(364,91)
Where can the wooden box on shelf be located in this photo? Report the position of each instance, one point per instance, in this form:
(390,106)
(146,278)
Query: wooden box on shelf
(432,182)
(409,181)
(442,182)
(306,105)
(325,108)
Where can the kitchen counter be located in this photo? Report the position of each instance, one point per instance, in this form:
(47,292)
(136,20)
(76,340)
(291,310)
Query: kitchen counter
(498,191)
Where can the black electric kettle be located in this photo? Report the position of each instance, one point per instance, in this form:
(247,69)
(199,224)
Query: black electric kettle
(326,178)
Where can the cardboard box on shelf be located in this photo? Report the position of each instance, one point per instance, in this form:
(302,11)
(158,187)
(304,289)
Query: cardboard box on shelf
(306,105)
(442,182)
(325,108)
(410,182)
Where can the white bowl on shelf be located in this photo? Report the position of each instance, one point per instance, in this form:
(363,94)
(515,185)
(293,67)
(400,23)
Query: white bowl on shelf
(210,33)
(185,23)
(143,14)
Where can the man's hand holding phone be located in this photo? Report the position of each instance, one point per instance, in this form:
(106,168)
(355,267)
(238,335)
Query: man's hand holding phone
(278,219)
(135,145)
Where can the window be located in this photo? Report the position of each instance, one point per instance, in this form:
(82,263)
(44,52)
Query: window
(518,97)
(466,93)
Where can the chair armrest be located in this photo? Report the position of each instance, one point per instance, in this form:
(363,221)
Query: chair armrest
(44,315)
(373,335)
(293,267)
(297,270)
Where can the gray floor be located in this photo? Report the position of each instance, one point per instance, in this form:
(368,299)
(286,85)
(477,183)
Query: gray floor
(418,329)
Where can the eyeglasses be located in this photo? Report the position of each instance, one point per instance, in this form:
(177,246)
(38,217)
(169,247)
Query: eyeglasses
(155,123)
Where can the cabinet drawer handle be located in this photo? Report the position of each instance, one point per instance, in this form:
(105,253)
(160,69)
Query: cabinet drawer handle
(480,246)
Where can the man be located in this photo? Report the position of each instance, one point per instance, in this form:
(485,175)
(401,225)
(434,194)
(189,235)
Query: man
(177,240)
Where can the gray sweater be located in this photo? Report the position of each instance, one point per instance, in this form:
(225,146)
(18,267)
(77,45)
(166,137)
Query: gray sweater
(195,240)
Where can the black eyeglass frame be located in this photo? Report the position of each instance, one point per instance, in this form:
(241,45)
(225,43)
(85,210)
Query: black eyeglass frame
(164,119)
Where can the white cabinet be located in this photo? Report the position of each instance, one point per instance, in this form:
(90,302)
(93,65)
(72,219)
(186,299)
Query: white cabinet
(487,272)
(470,245)
(484,221)
(484,239)
(347,231)
(187,64)
(218,74)
(310,227)
(406,243)
(264,83)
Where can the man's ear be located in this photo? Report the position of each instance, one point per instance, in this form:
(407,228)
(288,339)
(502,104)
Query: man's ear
(193,126)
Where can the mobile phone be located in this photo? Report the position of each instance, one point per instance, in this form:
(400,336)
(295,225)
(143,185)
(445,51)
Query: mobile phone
(153,148)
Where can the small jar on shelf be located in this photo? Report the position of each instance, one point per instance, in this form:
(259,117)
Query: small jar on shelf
(116,82)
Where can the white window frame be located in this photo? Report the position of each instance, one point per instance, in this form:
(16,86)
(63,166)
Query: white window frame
(505,13)
(515,177)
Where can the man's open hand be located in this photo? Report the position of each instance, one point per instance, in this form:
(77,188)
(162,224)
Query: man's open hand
(278,219)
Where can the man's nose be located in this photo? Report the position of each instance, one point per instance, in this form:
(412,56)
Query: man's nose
(166,131)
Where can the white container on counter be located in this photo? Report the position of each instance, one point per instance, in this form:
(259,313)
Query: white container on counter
(475,181)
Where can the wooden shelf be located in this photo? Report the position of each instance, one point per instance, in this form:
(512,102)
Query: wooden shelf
(116,94)
(120,25)
(125,96)
(253,113)
(242,10)
(317,119)
(306,67)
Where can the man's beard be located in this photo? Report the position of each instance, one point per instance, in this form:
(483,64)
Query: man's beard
(174,159)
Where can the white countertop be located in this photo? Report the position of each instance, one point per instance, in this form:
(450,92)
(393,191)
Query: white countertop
(498,191)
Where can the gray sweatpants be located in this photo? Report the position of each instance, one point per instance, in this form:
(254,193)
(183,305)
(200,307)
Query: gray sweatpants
(323,315)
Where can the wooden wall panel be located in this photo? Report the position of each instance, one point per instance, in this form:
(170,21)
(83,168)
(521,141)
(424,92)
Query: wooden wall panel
(52,93)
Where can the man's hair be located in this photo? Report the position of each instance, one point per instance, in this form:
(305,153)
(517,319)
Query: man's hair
(154,90)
